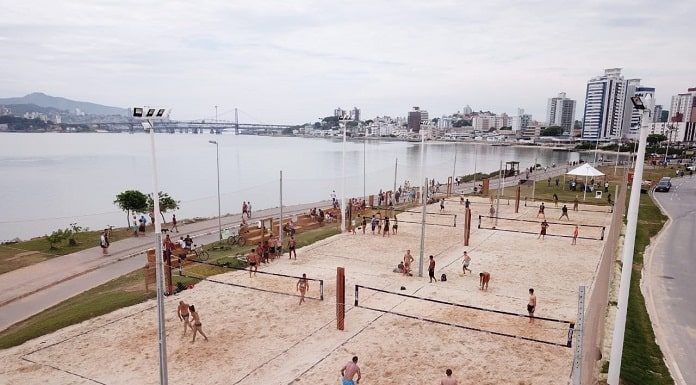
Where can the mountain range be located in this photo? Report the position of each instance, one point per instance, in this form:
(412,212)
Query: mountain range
(42,100)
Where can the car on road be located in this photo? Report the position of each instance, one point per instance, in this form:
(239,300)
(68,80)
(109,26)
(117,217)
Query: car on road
(663,185)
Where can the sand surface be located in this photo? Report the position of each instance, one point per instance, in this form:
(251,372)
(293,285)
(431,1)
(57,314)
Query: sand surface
(260,337)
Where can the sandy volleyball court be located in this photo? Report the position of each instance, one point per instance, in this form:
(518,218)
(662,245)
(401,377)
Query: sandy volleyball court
(257,337)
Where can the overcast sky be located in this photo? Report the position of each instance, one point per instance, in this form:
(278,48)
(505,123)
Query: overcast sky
(291,61)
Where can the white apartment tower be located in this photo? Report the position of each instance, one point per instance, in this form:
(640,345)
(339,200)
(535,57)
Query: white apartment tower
(560,111)
(683,107)
(604,105)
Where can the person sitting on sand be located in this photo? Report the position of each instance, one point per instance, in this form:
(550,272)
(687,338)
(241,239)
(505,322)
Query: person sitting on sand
(448,380)
(399,268)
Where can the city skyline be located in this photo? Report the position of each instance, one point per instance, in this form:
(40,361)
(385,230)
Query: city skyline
(284,62)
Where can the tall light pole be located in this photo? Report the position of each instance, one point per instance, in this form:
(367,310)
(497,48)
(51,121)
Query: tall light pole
(669,134)
(628,248)
(217,153)
(148,116)
(422,154)
(343,177)
(364,165)
(216,116)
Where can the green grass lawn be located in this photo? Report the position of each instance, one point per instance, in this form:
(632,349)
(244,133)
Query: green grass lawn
(129,290)
(642,362)
(17,255)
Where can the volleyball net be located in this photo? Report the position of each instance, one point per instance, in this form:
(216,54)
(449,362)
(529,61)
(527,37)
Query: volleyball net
(530,226)
(549,331)
(431,219)
(263,281)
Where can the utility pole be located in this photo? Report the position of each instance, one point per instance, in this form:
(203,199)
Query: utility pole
(216,115)
(280,223)
(396,165)
(343,181)
(454,167)
(497,205)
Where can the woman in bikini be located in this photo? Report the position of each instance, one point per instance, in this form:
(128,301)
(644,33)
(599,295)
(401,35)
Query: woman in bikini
(302,287)
(197,326)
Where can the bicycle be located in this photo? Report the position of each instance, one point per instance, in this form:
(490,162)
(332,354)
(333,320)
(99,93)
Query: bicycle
(236,239)
(201,255)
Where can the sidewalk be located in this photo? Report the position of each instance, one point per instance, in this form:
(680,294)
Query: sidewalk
(31,289)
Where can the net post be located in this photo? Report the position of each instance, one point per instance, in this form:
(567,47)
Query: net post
(168,274)
(356,295)
(340,298)
(479,225)
(602,237)
(455,220)
(321,289)
(579,326)
(467,226)
(517,199)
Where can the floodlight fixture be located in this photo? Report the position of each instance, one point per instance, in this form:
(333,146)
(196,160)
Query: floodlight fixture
(147,113)
(637,103)
(212,142)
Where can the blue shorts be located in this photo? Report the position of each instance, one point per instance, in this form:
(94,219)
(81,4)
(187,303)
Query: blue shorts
(348,382)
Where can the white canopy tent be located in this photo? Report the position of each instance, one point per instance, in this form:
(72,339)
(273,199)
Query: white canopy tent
(587,171)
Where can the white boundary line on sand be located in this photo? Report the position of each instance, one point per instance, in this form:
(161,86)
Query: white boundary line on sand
(645,284)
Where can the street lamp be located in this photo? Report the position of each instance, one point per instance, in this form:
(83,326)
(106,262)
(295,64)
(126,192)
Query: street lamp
(628,248)
(217,153)
(148,116)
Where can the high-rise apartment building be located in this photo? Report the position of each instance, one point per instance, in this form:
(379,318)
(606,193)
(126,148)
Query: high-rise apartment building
(416,118)
(467,110)
(683,107)
(355,114)
(604,105)
(633,117)
(560,111)
(339,112)
(657,113)
(521,121)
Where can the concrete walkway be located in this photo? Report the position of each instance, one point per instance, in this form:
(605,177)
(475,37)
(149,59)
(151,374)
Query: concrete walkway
(32,289)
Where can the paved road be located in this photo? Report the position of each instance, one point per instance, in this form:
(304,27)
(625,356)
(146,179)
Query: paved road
(29,290)
(670,280)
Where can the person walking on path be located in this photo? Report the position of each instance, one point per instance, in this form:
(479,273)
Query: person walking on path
(249,209)
(197,325)
(104,242)
(555,200)
(466,260)
(431,269)
(174,226)
(349,371)
(442,204)
(576,202)
(302,287)
(135,226)
(245,209)
(448,380)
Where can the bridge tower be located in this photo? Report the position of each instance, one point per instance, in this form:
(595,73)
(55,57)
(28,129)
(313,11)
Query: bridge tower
(236,122)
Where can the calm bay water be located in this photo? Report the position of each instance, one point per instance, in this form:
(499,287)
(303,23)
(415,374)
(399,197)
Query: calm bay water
(51,180)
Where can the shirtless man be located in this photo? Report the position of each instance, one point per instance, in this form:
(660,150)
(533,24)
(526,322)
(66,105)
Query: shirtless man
(484,278)
(531,305)
(448,380)
(182,311)
(408,258)
(431,269)
(466,260)
(541,211)
(197,325)
(576,202)
(349,370)
(575,235)
(253,260)
(291,247)
(302,287)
